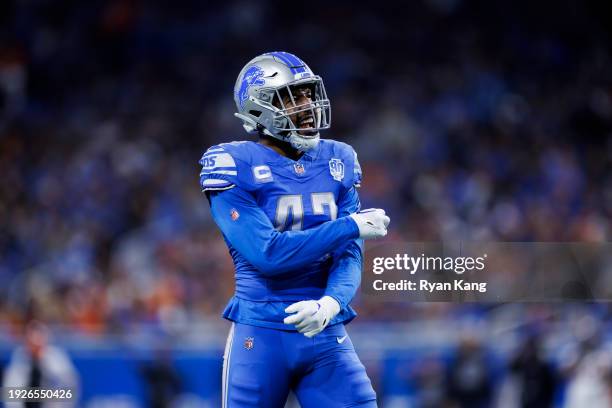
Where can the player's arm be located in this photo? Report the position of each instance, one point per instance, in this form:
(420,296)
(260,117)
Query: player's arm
(272,252)
(345,273)
(311,317)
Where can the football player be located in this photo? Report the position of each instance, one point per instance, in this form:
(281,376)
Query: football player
(288,208)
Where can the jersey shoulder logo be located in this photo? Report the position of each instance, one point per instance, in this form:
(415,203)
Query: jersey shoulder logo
(251,77)
(336,169)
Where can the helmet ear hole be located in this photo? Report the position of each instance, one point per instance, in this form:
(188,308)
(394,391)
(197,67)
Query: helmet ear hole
(266,95)
(281,123)
(255,113)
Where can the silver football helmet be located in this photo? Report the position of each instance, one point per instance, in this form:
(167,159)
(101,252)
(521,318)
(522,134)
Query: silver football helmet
(264,86)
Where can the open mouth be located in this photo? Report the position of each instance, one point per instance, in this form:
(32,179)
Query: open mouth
(306,127)
(307,123)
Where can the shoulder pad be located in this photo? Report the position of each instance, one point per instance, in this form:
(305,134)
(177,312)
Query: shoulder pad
(219,169)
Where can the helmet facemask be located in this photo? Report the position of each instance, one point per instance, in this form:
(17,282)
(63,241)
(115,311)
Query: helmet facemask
(283,101)
(317,110)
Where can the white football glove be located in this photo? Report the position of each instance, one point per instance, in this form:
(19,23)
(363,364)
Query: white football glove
(372,223)
(312,316)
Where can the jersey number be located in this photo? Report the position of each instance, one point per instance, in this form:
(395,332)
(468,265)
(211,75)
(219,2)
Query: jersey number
(293,204)
(208,161)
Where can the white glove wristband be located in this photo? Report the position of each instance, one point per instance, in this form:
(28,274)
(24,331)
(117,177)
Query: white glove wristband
(372,223)
(310,317)
(330,305)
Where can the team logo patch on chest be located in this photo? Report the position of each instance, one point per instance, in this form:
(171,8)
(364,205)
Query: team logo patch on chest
(299,168)
(249,343)
(336,169)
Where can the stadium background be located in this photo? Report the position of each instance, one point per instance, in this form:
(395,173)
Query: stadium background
(473,121)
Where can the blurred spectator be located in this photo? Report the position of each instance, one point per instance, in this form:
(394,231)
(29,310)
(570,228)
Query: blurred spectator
(469,382)
(38,364)
(163,382)
(431,383)
(537,380)
(588,370)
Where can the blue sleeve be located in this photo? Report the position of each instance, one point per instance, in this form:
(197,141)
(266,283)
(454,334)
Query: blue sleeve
(345,273)
(247,228)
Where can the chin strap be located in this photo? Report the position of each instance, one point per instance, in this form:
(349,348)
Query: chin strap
(302,144)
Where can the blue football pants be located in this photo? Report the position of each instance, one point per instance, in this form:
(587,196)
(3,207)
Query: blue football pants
(262,365)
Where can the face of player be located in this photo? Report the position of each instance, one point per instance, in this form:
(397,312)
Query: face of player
(302,118)
(35,340)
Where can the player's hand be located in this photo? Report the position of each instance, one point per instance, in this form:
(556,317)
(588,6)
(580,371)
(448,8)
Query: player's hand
(311,316)
(372,223)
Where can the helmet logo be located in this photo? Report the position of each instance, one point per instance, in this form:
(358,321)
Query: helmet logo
(251,77)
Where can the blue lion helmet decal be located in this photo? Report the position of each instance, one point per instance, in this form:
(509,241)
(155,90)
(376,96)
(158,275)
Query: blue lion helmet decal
(251,77)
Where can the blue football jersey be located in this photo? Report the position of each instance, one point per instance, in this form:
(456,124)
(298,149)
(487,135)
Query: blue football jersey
(286,226)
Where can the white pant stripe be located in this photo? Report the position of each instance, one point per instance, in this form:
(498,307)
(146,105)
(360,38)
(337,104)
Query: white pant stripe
(226,365)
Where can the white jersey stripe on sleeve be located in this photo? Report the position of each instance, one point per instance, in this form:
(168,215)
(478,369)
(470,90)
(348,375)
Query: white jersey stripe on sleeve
(222,188)
(215,182)
(227,172)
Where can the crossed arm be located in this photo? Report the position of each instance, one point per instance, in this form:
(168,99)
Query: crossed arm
(273,252)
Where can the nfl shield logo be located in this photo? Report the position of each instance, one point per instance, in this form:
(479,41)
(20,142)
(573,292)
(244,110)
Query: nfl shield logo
(299,168)
(336,169)
(248,343)
(234,214)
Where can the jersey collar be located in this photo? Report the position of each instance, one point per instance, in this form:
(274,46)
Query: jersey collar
(275,156)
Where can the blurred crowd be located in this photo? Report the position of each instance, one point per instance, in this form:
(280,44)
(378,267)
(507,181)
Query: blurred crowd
(472,122)
(539,372)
